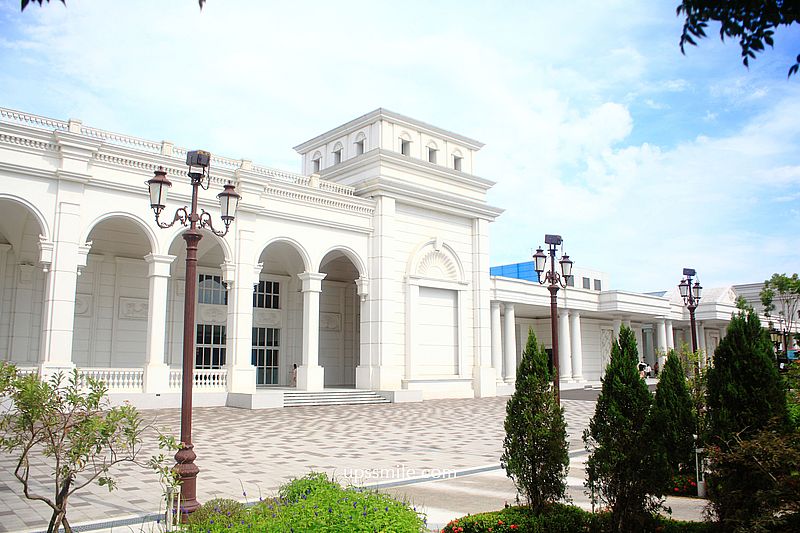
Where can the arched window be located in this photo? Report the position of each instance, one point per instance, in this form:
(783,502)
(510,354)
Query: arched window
(457,159)
(316,161)
(432,151)
(337,153)
(361,143)
(405,144)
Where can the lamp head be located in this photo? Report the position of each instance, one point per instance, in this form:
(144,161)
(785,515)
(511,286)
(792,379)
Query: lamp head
(158,186)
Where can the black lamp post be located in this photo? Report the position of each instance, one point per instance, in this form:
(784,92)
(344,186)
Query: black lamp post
(554,281)
(691,299)
(199,173)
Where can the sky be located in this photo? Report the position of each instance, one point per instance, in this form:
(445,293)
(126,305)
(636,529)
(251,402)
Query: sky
(596,127)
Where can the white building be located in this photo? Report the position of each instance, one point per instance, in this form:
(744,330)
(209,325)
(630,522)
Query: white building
(370,270)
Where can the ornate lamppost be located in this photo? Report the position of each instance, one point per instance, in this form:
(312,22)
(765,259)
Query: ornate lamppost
(199,163)
(554,281)
(691,299)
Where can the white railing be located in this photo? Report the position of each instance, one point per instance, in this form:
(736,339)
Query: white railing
(205,380)
(116,379)
(32,120)
(25,370)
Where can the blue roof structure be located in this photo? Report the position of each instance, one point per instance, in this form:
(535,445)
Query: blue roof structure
(516,270)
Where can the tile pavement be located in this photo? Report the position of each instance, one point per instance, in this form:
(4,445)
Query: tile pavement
(248,454)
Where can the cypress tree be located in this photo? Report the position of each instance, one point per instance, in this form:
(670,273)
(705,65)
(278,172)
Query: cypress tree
(746,401)
(535,454)
(619,438)
(745,391)
(673,416)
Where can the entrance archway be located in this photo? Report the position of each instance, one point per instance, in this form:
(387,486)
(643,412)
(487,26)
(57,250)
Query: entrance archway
(339,320)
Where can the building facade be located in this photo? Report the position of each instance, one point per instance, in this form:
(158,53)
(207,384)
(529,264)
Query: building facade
(368,270)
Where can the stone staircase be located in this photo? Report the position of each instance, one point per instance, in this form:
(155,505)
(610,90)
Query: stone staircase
(332,397)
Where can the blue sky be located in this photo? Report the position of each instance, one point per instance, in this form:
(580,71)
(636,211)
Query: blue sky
(596,127)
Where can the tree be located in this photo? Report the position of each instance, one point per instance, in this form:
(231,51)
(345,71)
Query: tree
(67,430)
(745,390)
(752,23)
(746,397)
(781,293)
(673,414)
(535,451)
(624,470)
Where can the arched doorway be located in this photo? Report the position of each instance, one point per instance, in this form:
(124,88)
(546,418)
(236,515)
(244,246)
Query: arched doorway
(22,282)
(111,297)
(278,313)
(339,320)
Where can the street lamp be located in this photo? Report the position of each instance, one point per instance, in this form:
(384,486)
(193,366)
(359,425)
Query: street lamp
(691,299)
(554,280)
(199,163)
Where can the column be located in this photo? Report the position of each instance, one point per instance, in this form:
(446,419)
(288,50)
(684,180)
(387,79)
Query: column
(310,376)
(510,343)
(59,294)
(240,277)
(497,343)
(639,334)
(156,371)
(661,342)
(364,369)
(564,346)
(577,347)
(616,324)
(484,376)
(670,336)
(701,343)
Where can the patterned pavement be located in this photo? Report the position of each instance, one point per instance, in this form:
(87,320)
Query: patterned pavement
(248,454)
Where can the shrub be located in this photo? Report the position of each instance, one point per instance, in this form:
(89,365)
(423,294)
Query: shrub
(624,470)
(535,454)
(219,511)
(316,503)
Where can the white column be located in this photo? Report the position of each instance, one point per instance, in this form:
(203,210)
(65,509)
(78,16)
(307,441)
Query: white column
(661,342)
(156,371)
(240,278)
(577,345)
(639,334)
(510,343)
(497,342)
(564,346)
(364,369)
(670,336)
(701,342)
(616,324)
(484,376)
(310,376)
(59,298)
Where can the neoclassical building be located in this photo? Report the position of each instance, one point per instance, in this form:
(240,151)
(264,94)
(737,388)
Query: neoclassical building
(369,270)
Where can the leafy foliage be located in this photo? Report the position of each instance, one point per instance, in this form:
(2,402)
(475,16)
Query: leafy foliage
(673,414)
(752,23)
(781,299)
(744,388)
(311,503)
(624,470)
(754,483)
(68,430)
(26,2)
(535,451)
(560,518)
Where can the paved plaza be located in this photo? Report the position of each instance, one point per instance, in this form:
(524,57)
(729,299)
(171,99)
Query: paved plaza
(248,454)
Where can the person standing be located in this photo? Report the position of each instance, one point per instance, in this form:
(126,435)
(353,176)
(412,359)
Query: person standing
(293,376)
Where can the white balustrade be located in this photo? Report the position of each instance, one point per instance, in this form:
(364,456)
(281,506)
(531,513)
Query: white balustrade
(204,379)
(115,379)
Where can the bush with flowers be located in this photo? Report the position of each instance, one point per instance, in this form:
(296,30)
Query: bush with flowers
(683,485)
(311,503)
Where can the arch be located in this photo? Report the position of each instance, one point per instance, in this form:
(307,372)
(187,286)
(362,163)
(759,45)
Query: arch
(301,251)
(317,156)
(456,152)
(405,136)
(351,254)
(436,259)
(34,210)
(338,146)
(148,231)
(432,144)
(223,243)
(361,136)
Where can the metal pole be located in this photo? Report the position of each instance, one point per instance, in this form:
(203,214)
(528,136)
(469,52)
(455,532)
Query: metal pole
(187,470)
(553,288)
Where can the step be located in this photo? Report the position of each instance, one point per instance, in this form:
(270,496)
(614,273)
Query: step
(301,398)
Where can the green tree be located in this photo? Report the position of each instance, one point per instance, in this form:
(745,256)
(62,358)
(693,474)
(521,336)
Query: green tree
(624,470)
(66,430)
(535,454)
(752,23)
(745,390)
(746,397)
(673,415)
(781,300)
